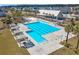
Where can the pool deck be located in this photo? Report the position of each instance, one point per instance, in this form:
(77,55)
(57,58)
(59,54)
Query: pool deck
(44,48)
(52,42)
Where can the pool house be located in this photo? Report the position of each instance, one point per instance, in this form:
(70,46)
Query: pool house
(55,15)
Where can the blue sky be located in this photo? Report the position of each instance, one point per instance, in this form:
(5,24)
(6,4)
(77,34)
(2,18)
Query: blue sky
(7,4)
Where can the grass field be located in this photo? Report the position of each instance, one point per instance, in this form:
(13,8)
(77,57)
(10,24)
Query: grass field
(8,45)
(67,51)
(1,24)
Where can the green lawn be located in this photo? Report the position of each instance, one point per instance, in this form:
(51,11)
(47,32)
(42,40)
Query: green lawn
(67,51)
(8,45)
(1,24)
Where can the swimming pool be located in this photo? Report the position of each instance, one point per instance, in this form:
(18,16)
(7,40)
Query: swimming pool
(38,29)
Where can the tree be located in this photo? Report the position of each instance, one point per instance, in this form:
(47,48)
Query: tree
(76,31)
(16,14)
(36,12)
(72,21)
(7,19)
(68,29)
(76,18)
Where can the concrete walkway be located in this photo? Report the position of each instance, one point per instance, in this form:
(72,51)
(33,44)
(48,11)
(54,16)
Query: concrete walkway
(45,48)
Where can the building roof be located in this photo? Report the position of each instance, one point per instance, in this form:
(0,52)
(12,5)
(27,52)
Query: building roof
(30,18)
(68,16)
(52,12)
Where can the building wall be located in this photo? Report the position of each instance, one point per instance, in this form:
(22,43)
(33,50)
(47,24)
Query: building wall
(51,13)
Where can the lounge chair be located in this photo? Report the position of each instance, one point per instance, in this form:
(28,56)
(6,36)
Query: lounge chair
(21,39)
(28,44)
(12,25)
(19,36)
(18,33)
(13,29)
(16,27)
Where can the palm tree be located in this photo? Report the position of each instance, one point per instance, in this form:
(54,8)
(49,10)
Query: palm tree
(68,29)
(73,21)
(16,14)
(7,19)
(36,12)
(76,31)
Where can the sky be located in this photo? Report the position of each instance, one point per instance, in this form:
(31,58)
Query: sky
(6,4)
(2,2)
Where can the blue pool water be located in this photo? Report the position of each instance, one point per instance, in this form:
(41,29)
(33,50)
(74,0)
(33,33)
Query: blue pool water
(38,29)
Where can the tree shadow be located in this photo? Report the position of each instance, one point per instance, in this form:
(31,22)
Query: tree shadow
(76,51)
(68,45)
